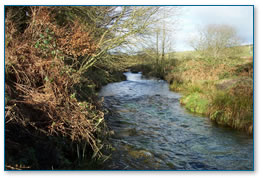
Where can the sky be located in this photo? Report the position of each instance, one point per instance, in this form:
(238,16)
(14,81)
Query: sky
(193,18)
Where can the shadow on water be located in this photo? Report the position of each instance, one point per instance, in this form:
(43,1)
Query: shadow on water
(153,132)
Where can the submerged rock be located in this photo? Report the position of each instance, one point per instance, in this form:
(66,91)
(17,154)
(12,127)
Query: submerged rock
(140,154)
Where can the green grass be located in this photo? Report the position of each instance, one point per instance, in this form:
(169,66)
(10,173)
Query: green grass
(195,102)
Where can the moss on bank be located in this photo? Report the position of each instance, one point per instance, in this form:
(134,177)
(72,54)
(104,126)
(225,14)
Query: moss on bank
(195,102)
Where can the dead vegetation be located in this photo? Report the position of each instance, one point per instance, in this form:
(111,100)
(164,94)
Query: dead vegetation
(46,126)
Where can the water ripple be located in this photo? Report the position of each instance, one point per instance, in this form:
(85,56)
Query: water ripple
(153,131)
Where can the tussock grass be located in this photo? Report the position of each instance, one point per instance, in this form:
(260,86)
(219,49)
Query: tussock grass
(233,108)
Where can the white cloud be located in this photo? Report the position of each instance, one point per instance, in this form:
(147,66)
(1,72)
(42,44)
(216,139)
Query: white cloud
(193,17)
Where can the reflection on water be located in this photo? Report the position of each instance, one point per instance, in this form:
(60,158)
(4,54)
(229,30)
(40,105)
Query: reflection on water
(153,132)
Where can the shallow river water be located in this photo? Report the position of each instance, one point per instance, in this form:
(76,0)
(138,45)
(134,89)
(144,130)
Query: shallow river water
(152,131)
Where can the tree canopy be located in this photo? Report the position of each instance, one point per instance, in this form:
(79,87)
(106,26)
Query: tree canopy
(215,39)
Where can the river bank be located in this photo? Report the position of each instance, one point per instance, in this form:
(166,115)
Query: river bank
(220,89)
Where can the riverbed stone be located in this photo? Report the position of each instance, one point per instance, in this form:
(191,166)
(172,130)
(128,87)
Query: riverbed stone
(140,154)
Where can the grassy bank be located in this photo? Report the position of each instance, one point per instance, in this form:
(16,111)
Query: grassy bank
(53,117)
(221,88)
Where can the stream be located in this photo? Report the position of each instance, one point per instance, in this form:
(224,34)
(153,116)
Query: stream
(152,131)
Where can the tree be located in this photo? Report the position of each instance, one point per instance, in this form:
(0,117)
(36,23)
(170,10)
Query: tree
(160,35)
(215,40)
(128,22)
(93,32)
